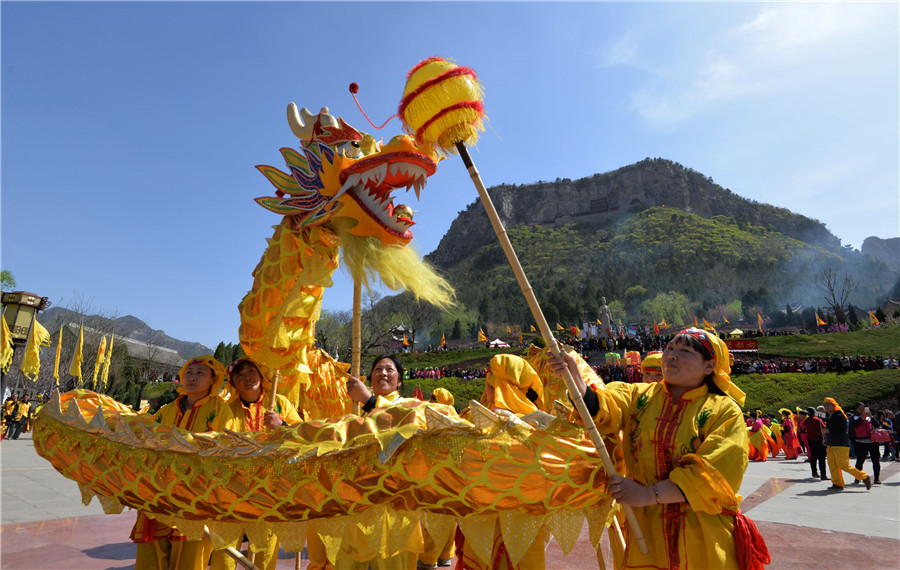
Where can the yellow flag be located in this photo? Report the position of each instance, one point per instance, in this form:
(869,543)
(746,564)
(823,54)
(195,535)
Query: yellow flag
(508,330)
(481,337)
(707,326)
(696,324)
(598,322)
(405,342)
(726,320)
(819,321)
(75,369)
(533,329)
(58,352)
(873,319)
(759,320)
(98,362)
(663,324)
(105,376)
(38,337)
(6,351)
(559,327)
(520,338)
(443,340)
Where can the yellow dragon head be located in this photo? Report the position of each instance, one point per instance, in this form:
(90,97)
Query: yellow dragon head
(348,178)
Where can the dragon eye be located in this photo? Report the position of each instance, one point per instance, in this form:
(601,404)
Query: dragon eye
(350,149)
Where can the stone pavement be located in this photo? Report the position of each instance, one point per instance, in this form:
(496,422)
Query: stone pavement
(45,525)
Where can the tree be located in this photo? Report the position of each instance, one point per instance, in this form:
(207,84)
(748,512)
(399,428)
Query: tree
(836,292)
(457,330)
(334,331)
(853,318)
(7,280)
(223,353)
(671,307)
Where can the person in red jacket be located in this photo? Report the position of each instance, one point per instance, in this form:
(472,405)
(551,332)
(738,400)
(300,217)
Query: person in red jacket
(814,425)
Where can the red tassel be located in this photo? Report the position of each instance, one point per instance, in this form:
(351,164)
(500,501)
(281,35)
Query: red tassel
(752,552)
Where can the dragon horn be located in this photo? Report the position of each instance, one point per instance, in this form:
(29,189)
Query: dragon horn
(303,122)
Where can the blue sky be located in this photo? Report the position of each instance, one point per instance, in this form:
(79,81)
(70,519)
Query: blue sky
(130,131)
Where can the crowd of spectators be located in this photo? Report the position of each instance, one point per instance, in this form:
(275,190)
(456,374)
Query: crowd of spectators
(835,363)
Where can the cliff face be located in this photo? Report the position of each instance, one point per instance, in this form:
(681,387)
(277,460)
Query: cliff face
(887,250)
(606,198)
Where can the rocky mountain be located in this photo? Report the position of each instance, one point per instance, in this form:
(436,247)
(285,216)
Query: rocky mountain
(604,198)
(887,250)
(127,326)
(643,231)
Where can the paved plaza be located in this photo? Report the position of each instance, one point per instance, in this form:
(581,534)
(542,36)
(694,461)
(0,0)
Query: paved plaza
(45,525)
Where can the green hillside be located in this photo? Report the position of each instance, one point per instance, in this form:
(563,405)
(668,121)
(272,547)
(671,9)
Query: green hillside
(705,262)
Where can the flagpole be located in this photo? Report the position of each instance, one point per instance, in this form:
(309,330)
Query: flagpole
(30,329)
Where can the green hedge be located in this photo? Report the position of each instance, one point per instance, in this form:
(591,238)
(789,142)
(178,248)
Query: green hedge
(769,392)
(462,390)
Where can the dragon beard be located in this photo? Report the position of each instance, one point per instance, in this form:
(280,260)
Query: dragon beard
(398,267)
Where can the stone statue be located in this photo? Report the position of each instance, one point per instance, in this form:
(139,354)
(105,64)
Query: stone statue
(605,319)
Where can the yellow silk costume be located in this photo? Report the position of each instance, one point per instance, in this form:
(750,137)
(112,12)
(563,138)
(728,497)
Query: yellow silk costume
(250,418)
(159,545)
(760,441)
(355,551)
(510,377)
(699,442)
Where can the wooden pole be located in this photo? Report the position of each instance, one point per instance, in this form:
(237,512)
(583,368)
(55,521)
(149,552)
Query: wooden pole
(356,350)
(270,405)
(547,334)
(357,329)
(234,553)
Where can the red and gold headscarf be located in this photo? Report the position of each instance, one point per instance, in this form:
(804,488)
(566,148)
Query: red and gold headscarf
(719,351)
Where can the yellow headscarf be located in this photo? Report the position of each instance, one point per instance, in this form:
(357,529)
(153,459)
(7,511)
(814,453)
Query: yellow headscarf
(653,361)
(264,372)
(217,368)
(834,403)
(511,377)
(442,396)
(722,371)
(783,410)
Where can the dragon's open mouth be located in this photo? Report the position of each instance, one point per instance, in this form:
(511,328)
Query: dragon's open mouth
(371,182)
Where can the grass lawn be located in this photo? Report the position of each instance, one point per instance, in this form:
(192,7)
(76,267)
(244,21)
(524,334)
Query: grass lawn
(884,341)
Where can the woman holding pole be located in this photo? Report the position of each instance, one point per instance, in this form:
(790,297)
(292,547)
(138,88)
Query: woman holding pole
(685,452)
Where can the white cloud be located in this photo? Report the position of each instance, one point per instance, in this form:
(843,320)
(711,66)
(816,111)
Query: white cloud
(784,47)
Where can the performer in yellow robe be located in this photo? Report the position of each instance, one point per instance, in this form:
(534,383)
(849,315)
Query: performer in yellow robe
(249,406)
(776,429)
(686,452)
(437,554)
(760,438)
(511,386)
(197,408)
(355,553)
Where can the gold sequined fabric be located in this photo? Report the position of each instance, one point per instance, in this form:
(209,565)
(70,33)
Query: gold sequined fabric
(405,463)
